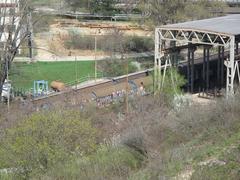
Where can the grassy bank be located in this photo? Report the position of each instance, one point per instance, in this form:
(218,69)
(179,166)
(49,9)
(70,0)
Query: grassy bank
(23,74)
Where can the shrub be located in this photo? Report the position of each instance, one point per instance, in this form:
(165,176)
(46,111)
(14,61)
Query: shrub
(106,163)
(77,41)
(45,139)
(177,140)
(139,44)
(109,43)
(172,86)
(226,168)
(113,68)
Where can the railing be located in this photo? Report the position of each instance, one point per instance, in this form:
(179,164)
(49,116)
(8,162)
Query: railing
(21,92)
(84,79)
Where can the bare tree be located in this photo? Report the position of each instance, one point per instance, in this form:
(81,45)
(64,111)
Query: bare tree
(157,12)
(13,30)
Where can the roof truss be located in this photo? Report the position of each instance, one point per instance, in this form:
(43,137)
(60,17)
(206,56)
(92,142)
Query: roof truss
(194,36)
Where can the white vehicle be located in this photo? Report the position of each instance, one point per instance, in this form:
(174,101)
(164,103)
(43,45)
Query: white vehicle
(6,91)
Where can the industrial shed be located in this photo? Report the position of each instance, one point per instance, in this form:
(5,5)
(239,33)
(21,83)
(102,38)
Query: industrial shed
(221,32)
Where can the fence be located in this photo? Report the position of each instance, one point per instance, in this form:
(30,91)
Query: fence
(83,79)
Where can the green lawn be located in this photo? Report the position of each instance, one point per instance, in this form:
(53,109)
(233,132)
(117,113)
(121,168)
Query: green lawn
(23,74)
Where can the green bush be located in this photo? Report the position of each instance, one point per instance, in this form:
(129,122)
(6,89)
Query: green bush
(139,44)
(117,67)
(227,167)
(45,139)
(172,85)
(106,163)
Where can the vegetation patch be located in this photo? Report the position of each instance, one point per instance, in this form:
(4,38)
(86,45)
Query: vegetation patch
(117,67)
(114,42)
(23,74)
(45,139)
(106,163)
(227,167)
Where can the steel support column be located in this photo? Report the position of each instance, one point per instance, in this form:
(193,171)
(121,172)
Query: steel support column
(190,69)
(188,72)
(207,72)
(220,67)
(177,57)
(157,61)
(230,68)
(236,48)
(173,54)
(205,82)
(204,71)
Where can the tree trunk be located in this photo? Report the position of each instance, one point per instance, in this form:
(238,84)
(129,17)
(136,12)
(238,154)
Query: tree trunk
(3,76)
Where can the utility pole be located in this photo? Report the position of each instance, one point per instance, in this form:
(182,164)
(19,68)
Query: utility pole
(127,88)
(76,73)
(95,58)
(95,47)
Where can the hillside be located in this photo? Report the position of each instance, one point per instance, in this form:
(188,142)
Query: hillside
(126,125)
(197,141)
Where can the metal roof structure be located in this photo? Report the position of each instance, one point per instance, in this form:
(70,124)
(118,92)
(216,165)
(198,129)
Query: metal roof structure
(229,25)
(221,32)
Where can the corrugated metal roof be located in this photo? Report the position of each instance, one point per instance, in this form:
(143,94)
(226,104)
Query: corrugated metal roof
(229,25)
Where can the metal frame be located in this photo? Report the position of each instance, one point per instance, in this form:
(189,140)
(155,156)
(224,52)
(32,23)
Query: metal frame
(36,88)
(193,36)
(190,68)
(205,74)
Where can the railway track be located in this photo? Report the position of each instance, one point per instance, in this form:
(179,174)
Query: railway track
(101,88)
(107,86)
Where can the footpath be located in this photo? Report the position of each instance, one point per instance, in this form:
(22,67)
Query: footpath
(55,58)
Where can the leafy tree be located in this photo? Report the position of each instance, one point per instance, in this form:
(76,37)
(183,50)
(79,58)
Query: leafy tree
(103,7)
(173,83)
(46,139)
